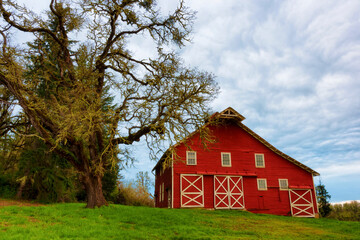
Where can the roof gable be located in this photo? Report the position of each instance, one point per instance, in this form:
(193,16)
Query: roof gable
(277,151)
(230,114)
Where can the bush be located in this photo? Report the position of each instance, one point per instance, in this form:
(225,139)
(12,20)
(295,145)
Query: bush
(44,175)
(8,187)
(133,195)
(109,182)
(346,212)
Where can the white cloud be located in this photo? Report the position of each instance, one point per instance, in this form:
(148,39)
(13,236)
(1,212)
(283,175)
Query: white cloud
(292,77)
(291,68)
(340,170)
(347,201)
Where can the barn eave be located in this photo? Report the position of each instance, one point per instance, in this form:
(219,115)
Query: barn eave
(230,114)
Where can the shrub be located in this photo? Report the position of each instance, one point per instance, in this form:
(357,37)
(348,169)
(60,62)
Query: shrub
(133,195)
(8,187)
(346,212)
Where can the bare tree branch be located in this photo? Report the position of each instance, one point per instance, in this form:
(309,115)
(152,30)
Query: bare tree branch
(6,16)
(88,99)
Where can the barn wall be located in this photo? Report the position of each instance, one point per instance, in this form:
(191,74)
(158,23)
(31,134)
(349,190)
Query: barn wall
(208,191)
(176,189)
(164,177)
(242,146)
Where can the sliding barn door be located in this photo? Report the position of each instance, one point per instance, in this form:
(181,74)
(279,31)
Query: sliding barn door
(228,192)
(221,192)
(301,203)
(192,190)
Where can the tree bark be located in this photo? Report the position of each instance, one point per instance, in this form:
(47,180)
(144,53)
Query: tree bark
(20,190)
(94,192)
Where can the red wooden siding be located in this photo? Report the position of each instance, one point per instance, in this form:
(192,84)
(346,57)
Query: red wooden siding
(231,138)
(163,178)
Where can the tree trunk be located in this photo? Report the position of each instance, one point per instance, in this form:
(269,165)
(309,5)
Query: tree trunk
(20,190)
(94,192)
(22,185)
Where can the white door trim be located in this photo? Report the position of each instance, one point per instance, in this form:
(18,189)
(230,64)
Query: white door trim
(225,194)
(304,209)
(228,197)
(239,196)
(197,196)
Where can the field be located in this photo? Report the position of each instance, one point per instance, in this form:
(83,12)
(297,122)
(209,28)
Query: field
(73,221)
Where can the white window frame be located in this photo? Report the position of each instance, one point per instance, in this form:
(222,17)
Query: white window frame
(258,184)
(263,158)
(187,157)
(287,184)
(222,159)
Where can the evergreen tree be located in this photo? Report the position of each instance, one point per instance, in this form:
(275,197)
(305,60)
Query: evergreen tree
(158,97)
(323,196)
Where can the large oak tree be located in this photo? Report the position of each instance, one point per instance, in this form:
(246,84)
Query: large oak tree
(61,81)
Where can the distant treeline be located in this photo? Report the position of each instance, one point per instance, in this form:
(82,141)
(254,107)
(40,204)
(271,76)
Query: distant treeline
(346,211)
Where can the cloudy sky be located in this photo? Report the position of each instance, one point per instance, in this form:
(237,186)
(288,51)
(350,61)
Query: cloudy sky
(292,68)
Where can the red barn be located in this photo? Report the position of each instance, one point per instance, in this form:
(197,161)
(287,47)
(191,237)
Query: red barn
(239,171)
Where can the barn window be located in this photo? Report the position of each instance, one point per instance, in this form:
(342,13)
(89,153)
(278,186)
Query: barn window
(259,160)
(283,184)
(262,185)
(225,159)
(191,158)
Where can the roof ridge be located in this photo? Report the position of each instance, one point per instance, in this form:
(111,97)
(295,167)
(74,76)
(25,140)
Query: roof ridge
(233,114)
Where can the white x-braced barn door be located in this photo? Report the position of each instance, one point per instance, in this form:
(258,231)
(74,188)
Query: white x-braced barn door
(301,203)
(228,192)
(192,190)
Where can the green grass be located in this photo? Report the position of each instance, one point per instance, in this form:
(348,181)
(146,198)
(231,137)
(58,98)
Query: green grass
(73,221)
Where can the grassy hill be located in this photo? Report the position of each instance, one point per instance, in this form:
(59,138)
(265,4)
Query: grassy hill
(73,221)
